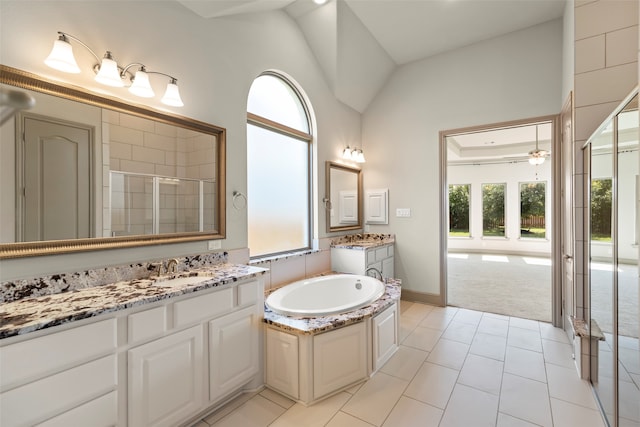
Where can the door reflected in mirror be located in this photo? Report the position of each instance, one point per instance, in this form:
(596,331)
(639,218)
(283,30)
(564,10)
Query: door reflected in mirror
(344,197)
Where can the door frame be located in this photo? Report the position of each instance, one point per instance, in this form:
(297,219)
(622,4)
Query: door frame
(556,252)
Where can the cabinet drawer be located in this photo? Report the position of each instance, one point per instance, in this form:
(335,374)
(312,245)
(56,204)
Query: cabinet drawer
(247,293)
(100,412)
(147,324)
(48,397)
(32,359)
(202,307)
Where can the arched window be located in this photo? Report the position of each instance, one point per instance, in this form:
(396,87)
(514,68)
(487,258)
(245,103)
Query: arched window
(278,167)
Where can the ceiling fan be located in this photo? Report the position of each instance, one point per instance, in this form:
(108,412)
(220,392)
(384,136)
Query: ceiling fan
(537,156)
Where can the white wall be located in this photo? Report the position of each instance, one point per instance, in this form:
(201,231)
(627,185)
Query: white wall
(215,61)
(515,76)
(511,174)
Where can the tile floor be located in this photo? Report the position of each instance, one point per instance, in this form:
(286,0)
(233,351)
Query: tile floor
(455,367)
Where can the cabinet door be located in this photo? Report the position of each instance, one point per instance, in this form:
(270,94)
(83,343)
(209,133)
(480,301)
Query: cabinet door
(385,336)
(387,268)
(165,379)
(233,351)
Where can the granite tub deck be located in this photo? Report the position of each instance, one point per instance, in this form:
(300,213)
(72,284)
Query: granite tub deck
(316,325)
(362,241)
(25,315)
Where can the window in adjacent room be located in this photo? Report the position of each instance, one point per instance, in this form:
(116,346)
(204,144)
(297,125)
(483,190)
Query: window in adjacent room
(278,167)
(459,207)
(493,197)
(532,210)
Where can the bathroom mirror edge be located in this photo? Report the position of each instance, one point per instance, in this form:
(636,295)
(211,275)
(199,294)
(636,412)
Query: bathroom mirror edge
(26,80)
(329,166)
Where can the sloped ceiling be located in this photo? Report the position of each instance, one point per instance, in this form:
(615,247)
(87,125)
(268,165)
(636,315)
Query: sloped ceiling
(358,43)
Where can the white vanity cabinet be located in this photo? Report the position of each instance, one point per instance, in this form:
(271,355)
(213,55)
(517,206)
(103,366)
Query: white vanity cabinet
(159,364)
(65,378)
(357,261)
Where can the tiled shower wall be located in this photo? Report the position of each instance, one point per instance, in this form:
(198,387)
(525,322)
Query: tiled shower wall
(606,71)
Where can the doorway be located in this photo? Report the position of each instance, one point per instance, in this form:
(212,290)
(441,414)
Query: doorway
(499,207)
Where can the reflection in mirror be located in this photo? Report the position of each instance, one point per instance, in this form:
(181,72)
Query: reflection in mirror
(614,168)
(87,172)
(344,197)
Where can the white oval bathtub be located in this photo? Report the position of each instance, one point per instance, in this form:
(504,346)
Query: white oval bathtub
(326,295)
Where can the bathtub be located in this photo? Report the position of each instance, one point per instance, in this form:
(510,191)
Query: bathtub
(325,295)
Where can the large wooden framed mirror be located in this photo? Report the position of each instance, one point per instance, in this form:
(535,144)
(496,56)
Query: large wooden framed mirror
(80,171)
(343,198)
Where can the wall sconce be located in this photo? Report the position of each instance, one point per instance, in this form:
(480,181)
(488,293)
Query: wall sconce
(355,155)
(109,73)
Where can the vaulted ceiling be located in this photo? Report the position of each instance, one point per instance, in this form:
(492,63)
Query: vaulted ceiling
(359,43)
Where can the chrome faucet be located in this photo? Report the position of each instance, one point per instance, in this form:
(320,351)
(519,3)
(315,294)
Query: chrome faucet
(172,266)
(375,271)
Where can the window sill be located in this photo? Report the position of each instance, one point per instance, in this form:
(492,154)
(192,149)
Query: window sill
(287,255)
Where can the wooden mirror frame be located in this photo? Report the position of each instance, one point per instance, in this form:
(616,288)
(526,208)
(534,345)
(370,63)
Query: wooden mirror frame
(329,165)
(25,80)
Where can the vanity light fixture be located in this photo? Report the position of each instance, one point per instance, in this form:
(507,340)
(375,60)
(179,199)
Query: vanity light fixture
(109,73)
(354,155)
(537,156)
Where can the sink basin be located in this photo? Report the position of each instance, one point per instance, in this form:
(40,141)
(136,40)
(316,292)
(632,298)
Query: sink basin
(181,281)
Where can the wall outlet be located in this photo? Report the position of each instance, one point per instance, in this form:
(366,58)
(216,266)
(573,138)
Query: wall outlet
(212,245)
(403,212)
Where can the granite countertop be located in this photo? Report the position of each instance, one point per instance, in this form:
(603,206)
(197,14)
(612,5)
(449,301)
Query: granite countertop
(363,241)
(31,314)
(315,325)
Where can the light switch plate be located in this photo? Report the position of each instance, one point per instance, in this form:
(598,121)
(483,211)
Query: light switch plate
(214,244)
(403,212)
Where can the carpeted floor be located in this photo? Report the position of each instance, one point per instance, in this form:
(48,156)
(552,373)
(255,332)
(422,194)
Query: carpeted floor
(503,284)
(521,286)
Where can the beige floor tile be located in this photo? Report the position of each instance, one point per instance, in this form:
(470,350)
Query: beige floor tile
(228,408)
(524,338)
(345,420)
(549,332)
(565,384)
(422,338)
(629,396)
(200,424)
(496,316)
(525,363)
(405,362)
(354,389)
(412,413)
(482,373)
(518,322)
(407,325)
(377,397)
(493,326)
(449,353)
(471,317)
(433,385)
(460,331)
(276,397)
(525,399)
(315,415)
(492,346)
(405,305)
(505,420)
(568,414)
(257,412)
(437,320)
(558,353)
(470,407)
(418,311)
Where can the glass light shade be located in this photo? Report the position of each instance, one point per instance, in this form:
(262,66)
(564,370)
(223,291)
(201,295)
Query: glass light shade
(61,57)
(360,157)
(346,153)
(109,74)
(141,86)
(172,95)
(536,159)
